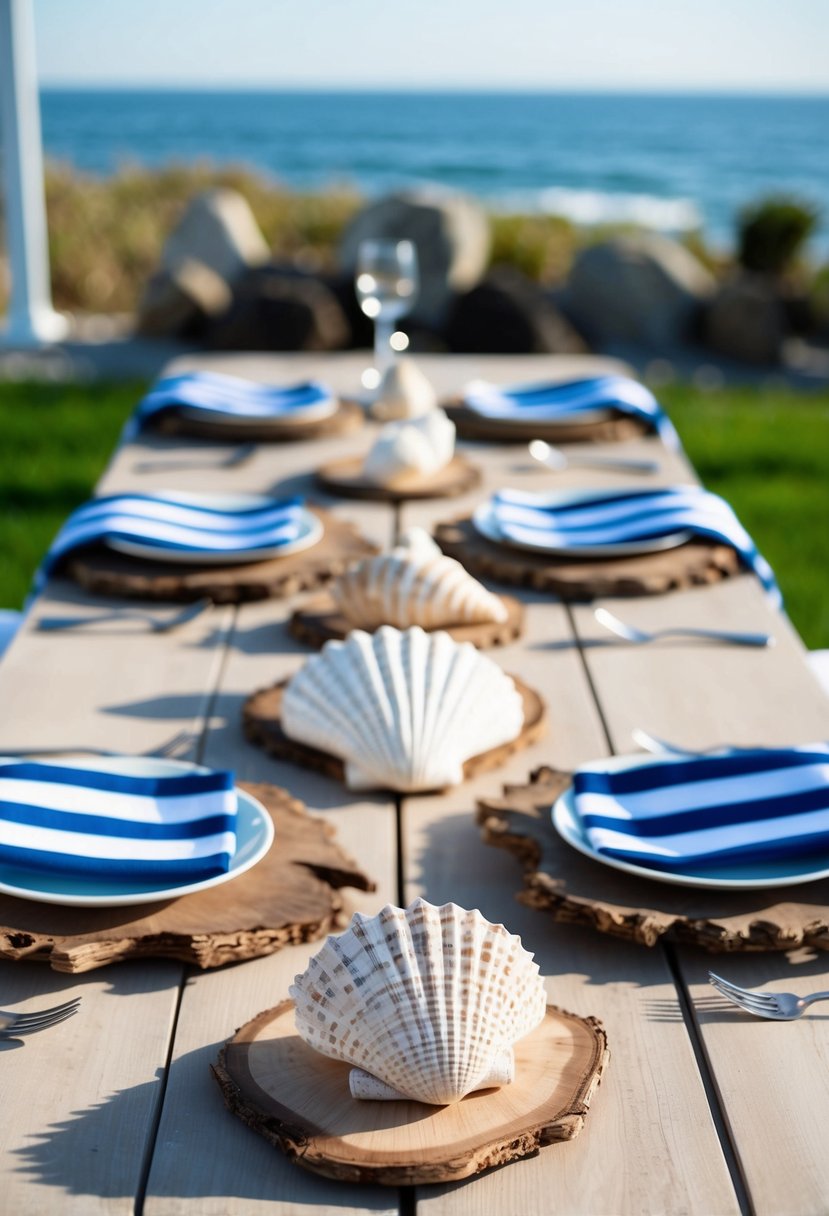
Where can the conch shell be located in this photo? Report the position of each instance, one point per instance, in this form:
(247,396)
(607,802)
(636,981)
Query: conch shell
(414,584)
(405,453)
(404,392)
(426,1002)
(404,710)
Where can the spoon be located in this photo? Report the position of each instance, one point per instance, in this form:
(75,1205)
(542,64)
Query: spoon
(155,624)
(554,458)
(639,636)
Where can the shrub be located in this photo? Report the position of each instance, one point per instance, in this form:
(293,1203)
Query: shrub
(772,233)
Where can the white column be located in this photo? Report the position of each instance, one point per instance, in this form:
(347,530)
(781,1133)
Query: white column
(31,320)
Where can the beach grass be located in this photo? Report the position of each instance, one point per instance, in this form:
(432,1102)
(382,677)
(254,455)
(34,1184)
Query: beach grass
(763,450)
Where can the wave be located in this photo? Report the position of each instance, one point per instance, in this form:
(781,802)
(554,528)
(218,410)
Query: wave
(589,208)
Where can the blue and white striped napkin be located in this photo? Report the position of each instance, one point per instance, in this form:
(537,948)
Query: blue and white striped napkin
(215,396)
(608,518)
(90,822)
(564,401)
(742,806)
(169,524)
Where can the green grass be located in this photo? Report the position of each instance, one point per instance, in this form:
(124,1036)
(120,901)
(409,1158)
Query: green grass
(56,441)
(766,452)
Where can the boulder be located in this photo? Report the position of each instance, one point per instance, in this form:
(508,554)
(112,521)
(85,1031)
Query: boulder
(640,287)
(218,229)
(280,309)
(509,314)
(450,232)
(747,319)
(179,302)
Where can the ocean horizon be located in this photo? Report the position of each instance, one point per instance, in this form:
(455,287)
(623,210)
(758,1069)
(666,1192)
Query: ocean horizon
(675,162)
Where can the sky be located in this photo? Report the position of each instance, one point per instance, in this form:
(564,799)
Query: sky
(676,45)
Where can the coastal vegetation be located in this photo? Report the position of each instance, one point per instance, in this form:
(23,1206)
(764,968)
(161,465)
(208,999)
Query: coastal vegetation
(106,233)
(763,450)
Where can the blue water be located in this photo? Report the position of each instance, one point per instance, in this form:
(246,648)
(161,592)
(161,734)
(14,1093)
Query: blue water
(673,162)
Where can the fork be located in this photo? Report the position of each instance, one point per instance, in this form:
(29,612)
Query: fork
(639,636)
(779,1006)
(557,460)
(232,460)
(170,747)
(154,624)
(12,1025)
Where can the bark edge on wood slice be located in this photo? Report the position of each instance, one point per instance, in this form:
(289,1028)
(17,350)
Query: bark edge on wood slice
(697,563)
(577,890)
(291,895)
(300,1102)
(262,724)
(105,572)
(616,427)
(320,621)
(345,478)
(347,417)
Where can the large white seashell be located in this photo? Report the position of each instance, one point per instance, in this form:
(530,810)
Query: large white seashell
(414,584)
(407,452)
(426,1002)
(404,710)
(404,392)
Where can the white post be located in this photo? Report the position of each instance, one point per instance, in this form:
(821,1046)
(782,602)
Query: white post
(31,320)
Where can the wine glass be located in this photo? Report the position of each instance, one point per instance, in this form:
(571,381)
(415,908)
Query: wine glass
(386,284)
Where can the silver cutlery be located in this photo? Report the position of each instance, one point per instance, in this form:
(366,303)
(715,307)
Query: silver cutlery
(164,751)
(13,1025)
(640,637)
(232,460)
(155,624)
(555,459)
(779,1006)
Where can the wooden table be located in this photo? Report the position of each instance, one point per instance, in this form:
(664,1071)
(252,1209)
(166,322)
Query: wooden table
(700,1112)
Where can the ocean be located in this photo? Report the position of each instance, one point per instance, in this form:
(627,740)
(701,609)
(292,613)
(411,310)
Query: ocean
(674,163)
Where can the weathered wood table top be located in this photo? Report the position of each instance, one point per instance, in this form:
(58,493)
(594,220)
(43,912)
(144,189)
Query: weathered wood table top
(702,1110)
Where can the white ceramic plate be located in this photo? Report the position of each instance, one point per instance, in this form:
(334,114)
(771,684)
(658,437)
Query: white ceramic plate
(315,412)
(311,530)
(486,523)
(727,877)
(254,836)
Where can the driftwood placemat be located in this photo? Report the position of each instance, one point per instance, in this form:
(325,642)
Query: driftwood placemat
(105,572)
(262,723)
(577,890)
(345,477)
(320,621)
(348,416)
(696,563)
(300,1102)
(615,427)
(292,895)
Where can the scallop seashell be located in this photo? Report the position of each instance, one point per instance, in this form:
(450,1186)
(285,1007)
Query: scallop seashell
(426,1002)
(403,392)
(404,710)
(414,584)
(407,452)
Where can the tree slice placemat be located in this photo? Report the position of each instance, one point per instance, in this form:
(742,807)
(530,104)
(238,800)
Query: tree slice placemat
(345,477)
(105,572)
(262,723)
(696,563)
(348,416)
(291,895)
(300,1102)
(577,890)
(321,621)
(614,428)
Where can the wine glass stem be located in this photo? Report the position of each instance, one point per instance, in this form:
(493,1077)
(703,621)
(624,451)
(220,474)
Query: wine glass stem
(383,353)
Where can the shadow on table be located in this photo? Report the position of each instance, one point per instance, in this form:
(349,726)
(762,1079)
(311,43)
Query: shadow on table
(100,1150)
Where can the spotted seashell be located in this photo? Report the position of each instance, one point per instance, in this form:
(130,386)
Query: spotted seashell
(425,1002)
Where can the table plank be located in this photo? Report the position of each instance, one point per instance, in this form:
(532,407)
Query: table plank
(649,1144)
